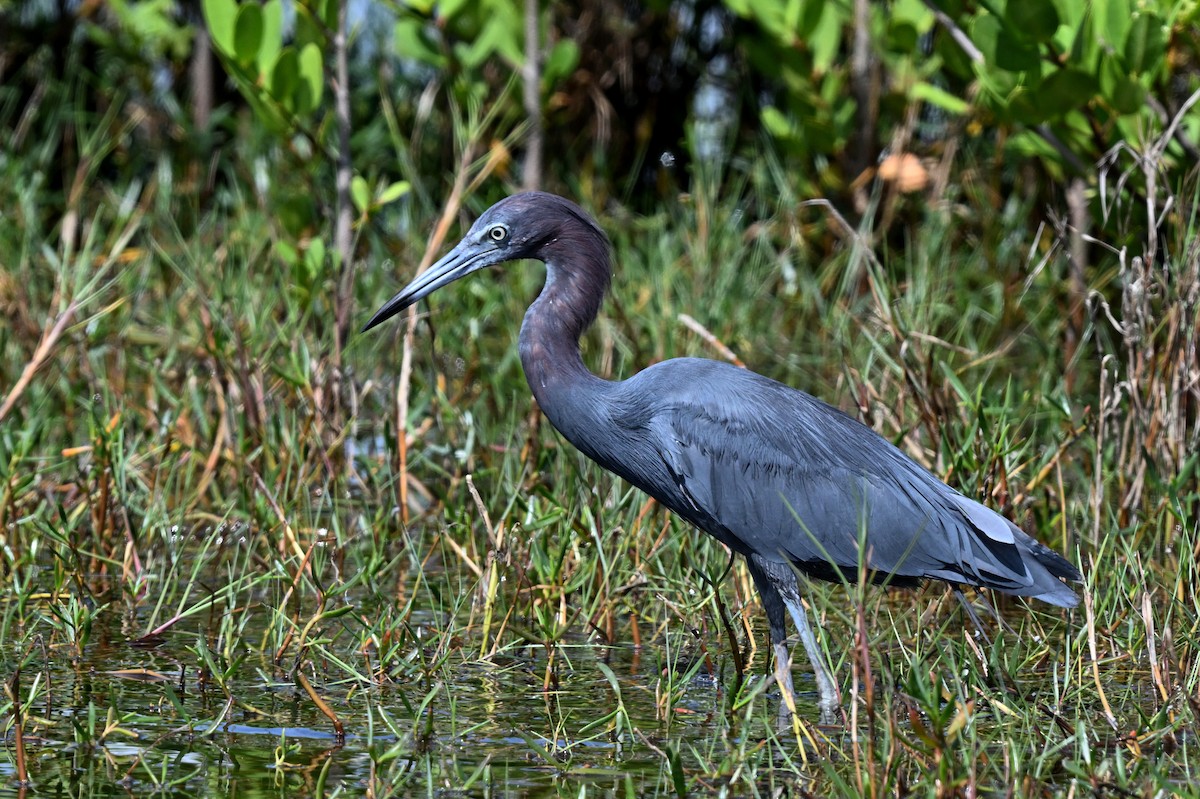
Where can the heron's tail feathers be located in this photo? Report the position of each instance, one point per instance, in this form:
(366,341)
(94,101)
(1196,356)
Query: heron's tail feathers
(1018,564)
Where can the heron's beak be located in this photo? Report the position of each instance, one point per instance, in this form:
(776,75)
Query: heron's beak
(459,262)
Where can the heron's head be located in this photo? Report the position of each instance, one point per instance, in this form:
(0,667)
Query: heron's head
(530,225)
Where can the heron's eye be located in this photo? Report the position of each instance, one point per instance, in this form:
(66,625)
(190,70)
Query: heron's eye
(497,233)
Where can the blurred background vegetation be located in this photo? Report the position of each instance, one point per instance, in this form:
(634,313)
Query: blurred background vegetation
(1044,137)
(972,223)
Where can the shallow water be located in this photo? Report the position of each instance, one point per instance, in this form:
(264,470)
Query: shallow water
(468,726)
(426,716)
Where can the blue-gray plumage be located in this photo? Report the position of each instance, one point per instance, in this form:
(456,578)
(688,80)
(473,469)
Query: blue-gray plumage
(774,474)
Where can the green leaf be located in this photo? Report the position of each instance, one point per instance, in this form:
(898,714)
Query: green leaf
(739,7)
(776,123)
(394,192)
(449,9)
(509,39)
(956,62)
(1145,46)
(561,62)
(678,775)
(1028,144)
(498,37)
(270,113)
(771,16)
(1125,94)
(1063,91)
(956,383)
(810,17)
(1001,48)
(312,79)
(328,9)
(1036,20)
(1021,105)
(1113,18)
(286,252)
(221,17)
(939,97)
(272,36)
(307,29)
(1086,49)
(285,77)
(360,192)
(913,12)
(474,54)
(902,37)
(413,41)
(248,33)
(1000,83)
(301,285)
(825,38)
(152,23)
(314,258)
(1128,96)
(1071,13)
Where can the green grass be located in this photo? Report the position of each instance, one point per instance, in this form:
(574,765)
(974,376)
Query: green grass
(191,484)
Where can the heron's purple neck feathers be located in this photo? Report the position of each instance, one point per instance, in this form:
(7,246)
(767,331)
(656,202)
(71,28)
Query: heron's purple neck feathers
(578,272)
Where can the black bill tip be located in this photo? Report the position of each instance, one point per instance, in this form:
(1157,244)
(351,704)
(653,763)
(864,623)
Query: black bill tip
(392,307)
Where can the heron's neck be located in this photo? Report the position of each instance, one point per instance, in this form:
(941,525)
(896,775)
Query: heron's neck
(567,392)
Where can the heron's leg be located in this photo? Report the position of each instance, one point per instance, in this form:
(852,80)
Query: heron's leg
(779,588)
(827,693)
(783,668)
(987,640)
(774,606)
(962,600)
(991,609)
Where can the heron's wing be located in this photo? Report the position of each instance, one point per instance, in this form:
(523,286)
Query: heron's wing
(812,510)
(771,470)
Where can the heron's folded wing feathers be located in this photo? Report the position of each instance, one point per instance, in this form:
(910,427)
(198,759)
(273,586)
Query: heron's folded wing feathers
(810,485)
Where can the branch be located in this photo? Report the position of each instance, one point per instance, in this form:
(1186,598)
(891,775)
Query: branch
(956,33)
(49,339)
(342,241)
(531,74)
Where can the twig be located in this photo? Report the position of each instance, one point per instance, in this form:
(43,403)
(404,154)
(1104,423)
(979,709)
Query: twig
(531,77)
(1187,144)
(1150,166)
(487,520)
(883,307)
(496,536)
(289,535)
(287,596)
(402,385)
(449,212)
(865,86)
(956,33)
(342,240)
(1089,610)
(1169,133)
(714,342)
(322,705)
(1156,670)
(464,555)
(13,688)
(1064,152)
(49,339)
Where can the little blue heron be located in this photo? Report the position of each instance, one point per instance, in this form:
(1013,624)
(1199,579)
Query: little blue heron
(776,475)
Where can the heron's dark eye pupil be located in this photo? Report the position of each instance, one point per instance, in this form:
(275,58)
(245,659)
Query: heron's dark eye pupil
(498,233)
